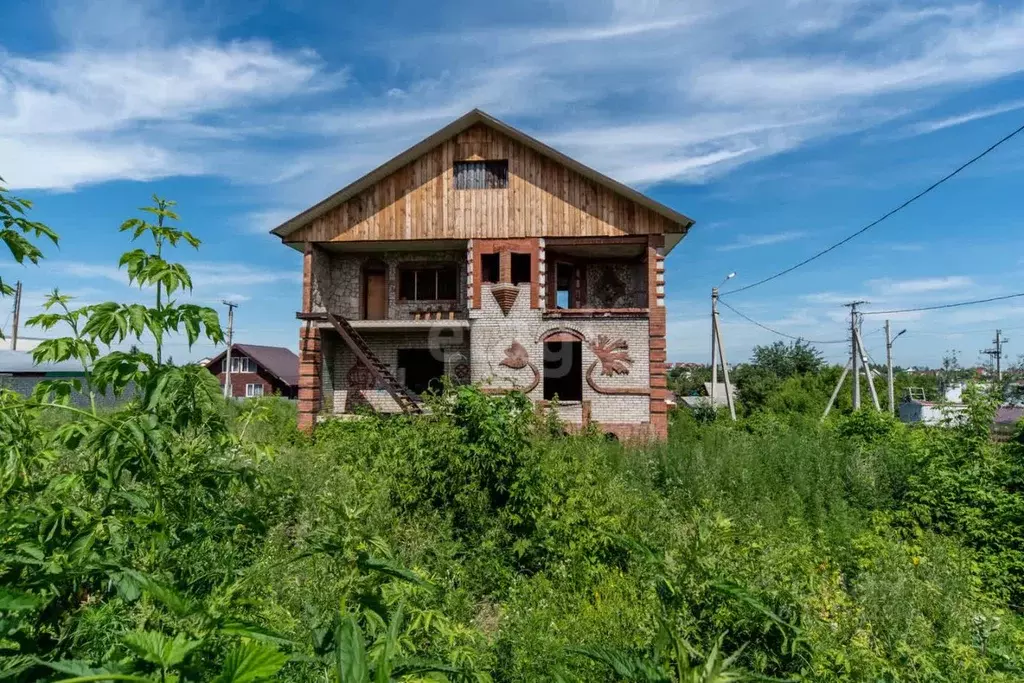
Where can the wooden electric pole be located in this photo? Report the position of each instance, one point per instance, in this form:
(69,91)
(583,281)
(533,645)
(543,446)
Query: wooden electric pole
(996,352)
(17,316)
(858,359)
(227,356)
(718,351)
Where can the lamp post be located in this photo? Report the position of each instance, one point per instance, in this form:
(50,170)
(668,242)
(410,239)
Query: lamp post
(888,363)
(718,349)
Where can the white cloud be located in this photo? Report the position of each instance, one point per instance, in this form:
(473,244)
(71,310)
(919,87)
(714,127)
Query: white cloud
(646,91)
(90,115)
(975,115)
(886,287)
(748,241)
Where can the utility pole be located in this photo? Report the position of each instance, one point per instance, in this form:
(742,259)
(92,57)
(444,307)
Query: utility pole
(17,316)
(889,339)
(854,353)
(718,349)
(227,357)
(996,352)
(857,359)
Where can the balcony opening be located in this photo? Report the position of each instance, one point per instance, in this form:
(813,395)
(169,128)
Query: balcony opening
(490,268)
(565,273)
(522,268)
(421,369)
(563,370)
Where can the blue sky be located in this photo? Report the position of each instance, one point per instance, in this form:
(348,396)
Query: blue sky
(779,125)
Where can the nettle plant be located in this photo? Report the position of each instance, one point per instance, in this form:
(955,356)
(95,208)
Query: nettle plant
(113,323)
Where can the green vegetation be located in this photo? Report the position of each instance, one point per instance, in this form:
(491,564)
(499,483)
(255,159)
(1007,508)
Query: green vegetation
(182,538)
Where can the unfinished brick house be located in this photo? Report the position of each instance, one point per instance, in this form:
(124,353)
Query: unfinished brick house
(485,256)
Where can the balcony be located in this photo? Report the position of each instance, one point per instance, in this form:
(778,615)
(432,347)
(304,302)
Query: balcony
(596,281)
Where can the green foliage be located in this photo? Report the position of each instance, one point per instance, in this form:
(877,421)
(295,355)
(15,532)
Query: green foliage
(181,538)
(19,234)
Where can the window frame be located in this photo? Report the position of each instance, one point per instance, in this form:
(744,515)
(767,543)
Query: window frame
(437,268)
(251,390)
(237,363)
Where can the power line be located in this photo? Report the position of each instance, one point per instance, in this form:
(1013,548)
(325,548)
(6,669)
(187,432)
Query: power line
(872,224)
(935,308)
(781,334)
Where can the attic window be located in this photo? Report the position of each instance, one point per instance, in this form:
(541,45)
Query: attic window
(481,175)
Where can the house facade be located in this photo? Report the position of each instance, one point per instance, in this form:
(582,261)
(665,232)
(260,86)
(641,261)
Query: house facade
(257,371)
(483,255)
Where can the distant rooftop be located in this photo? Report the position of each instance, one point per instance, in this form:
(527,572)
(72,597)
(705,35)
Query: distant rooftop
(20,362)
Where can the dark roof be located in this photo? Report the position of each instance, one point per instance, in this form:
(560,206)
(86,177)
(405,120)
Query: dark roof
(1009,415)
(16,362)
(451,130)
(277,360)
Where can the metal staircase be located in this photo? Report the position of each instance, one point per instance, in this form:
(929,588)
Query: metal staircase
(405,399)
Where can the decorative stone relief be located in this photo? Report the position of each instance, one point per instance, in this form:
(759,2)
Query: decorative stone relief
(505,295)
(517,358)
(614,359)
(360,377)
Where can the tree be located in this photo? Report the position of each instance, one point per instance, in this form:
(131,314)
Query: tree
(786,360)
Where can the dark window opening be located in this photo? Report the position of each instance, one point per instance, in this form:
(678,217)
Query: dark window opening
(428,284)
(490,265)
(522,268)
(481,175)
(563,371)
(422,369)
(564,276)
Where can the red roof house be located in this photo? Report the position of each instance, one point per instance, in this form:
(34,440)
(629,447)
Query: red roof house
(258,371)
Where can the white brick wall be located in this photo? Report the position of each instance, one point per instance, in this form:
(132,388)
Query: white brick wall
(492,332)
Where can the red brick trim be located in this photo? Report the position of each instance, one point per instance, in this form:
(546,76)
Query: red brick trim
(504,249)
(656,353)
(310,371)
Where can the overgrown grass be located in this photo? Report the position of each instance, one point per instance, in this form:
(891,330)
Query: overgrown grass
(512,553)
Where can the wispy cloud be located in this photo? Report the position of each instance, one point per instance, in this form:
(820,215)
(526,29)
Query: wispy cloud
(975,115)
(749,241)
(107,105)
(886,287)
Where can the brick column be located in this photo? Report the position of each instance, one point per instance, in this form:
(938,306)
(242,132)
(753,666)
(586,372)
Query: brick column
(310,381)
(310,361)
(656,304)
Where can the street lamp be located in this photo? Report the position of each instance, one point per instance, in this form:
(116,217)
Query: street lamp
(727,278)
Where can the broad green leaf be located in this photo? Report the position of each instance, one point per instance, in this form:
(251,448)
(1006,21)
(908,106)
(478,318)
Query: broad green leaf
(350,652)
(17,601)
(157,648)
(251,662)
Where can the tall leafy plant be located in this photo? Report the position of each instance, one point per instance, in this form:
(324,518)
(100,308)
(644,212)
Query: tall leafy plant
(112,322)
(18,232)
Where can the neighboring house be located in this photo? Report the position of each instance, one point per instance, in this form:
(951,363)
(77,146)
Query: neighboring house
(258,371)
(916,409)
(721,399)
(19,373)
(1006,420)
(485,256)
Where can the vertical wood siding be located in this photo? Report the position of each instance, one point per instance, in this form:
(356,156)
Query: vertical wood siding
(543,199)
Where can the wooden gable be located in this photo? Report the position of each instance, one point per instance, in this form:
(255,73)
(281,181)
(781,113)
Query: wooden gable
(544,198)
